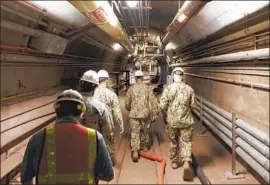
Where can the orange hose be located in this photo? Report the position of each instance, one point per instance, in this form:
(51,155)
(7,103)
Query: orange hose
(162,167)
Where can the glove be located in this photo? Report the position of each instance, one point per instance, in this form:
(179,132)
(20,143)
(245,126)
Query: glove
(122,129)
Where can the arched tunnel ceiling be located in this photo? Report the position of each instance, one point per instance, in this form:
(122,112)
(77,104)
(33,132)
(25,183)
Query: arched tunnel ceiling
(213,17)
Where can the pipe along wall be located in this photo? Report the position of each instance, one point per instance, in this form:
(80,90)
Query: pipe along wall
(252,143)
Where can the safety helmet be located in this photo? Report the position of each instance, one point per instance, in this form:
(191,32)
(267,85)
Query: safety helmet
(71,95)
(178,69)
(103,73)
(138,73)
(90,76)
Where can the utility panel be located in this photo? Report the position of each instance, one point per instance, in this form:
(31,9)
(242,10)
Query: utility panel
(49,43)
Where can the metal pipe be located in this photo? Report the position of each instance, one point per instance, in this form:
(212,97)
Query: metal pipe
(20,48)
(27,121)
(199,172)
(254,142)
(253,153)
(252,30)
(240,132)
(233,144)
(48,59)
(248,84)
(184,14)
(248,159)
(239,141)
(24,16)
(236,45)
(260,135)
(233,68)
(243,55)
(226,72)
(20,28)
(12,162)
(101,14)
(27,111)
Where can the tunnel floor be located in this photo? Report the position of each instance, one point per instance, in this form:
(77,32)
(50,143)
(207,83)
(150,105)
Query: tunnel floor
(211,155)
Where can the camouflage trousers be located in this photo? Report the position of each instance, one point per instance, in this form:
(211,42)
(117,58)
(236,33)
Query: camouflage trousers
(109,140)
(139,133)
(110,146)
(186,142)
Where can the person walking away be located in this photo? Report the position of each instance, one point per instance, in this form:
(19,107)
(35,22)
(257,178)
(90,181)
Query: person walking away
(176,103)
(97,115)
(109,98)
(141,103)
(67,152)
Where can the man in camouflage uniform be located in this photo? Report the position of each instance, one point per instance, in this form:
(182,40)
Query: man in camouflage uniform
(97,115)
(143,107)
(175,103)
(109,98)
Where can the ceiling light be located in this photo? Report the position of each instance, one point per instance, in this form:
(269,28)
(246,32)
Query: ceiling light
(116,46)
(182,18)
(132,4)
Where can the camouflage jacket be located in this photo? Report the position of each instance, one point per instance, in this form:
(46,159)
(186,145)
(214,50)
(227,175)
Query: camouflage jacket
(141,102)
(110,99)
(97,115)
(175,103)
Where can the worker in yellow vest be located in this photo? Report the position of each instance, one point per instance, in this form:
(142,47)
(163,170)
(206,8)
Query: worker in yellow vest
(67,152)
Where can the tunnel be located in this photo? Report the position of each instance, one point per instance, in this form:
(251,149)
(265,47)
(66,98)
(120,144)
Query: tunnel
(222,46)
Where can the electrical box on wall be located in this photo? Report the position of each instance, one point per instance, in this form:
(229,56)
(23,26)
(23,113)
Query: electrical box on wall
(49,43)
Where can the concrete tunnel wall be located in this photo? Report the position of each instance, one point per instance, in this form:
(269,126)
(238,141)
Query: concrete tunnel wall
(251,105)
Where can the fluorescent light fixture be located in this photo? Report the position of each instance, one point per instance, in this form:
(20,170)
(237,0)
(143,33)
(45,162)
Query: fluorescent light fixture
(182,18)
(117,47)
(132,4)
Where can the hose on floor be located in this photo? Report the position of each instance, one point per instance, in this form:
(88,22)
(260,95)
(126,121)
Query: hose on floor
(159,159)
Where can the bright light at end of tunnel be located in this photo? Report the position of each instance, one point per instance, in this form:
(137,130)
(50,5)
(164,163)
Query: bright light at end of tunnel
(132,4)
(116,46)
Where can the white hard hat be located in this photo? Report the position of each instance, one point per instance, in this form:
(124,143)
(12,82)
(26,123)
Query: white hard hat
(90,76)
(71,95)
(103,73)
(178,69)
(138,73)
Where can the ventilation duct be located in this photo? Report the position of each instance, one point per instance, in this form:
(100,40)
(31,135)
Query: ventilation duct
(101,14)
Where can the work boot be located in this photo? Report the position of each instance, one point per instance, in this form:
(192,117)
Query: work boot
(188,173)
(145,148)
(135,156)
(174,165)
